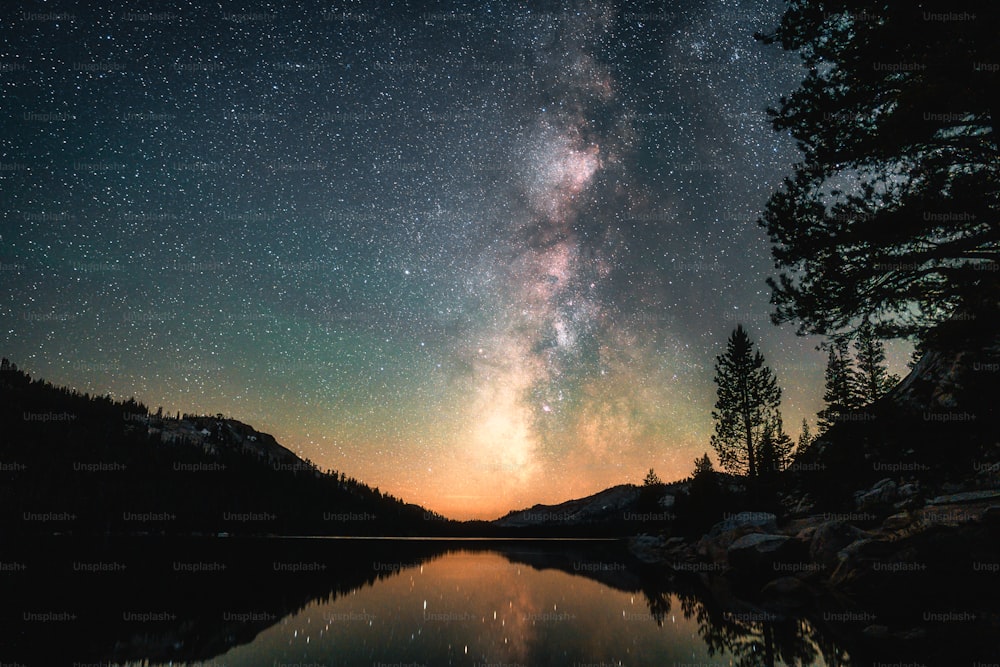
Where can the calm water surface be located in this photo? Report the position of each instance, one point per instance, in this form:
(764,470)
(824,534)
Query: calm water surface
(470,608)
(481,608)
(380,603)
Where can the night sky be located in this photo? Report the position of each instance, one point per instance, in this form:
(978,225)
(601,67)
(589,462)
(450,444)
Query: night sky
(479,255)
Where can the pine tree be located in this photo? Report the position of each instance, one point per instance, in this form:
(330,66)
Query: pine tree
(892,210)
(775,447)
(748,396)
(839,391)
(805,437)
(705,500)
(650,493)
(703,466)
(871,379)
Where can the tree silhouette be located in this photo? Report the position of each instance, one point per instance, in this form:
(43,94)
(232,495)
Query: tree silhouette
(892,214)
(805,437)
(775,447)
(871,379)
(748,396)
(703,466)
(704,503)
(838,395)
(650,493)
(757,643)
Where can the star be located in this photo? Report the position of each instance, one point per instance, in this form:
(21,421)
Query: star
(480,261)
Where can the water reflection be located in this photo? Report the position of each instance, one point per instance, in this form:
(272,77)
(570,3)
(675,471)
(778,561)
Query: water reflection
(284,602)
(478,608)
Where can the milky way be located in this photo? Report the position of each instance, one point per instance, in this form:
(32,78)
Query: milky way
(481,256)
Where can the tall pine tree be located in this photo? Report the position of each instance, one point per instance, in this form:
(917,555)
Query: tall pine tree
(748,398)
(838,395)
(703,466)
(775,447)
(805,437)
(871,378)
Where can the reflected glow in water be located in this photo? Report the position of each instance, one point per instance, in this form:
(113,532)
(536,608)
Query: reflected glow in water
(479,608)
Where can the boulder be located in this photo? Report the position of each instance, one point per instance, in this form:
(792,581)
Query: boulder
(882,493)
(675,543)
(714,545)
(854,550)
(647,548)
(787,588)
(907,504)
(965,497)
(759,522)
(829,538)
(804,527)
(909,497)
(885,483)
(897,521)
(806,534)
(756,553)
(855,572)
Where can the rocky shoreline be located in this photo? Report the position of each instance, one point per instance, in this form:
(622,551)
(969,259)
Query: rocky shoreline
(899,569)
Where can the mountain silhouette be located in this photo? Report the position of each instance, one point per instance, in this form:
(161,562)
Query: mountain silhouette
(79,464)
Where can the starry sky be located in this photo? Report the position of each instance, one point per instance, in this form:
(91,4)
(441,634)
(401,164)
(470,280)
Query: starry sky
(480,255)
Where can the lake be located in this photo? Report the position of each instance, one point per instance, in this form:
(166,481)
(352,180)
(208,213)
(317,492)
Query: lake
(380,603)
(482,608)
